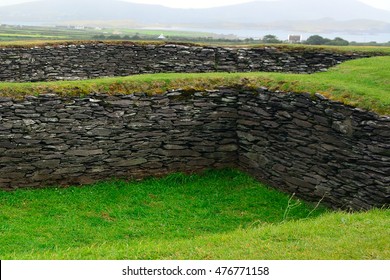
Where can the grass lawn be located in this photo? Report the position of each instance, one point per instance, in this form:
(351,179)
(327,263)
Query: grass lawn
(215,215)
(363,83)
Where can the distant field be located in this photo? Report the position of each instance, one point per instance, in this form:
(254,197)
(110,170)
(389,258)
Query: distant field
(216,215)
(363,83)
(157,32)
(29,37)
(28,33)
(9,34)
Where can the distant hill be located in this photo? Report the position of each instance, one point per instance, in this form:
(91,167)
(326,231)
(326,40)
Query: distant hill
(300,14)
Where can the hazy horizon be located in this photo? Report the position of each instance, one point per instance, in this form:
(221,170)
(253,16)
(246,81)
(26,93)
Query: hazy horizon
(381,4)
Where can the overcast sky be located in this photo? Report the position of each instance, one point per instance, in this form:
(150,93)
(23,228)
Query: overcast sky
(384,4)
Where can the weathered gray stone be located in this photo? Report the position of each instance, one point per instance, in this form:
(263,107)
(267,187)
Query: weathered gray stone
(307,150)
(100,132)
(180,153)
(302,123)
(227,148)
(84,153)
(270,124)
(54,163)
(129,162)
(121,103)
(299,183)
(174,147)
(69,170)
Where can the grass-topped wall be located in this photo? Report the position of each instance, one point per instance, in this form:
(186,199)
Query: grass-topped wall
(91,60)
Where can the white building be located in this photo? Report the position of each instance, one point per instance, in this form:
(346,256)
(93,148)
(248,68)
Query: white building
(294,39)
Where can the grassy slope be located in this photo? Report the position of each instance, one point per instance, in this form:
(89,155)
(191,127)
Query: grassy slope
(216,215)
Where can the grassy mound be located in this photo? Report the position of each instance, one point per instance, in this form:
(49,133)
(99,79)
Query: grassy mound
(363,83)
(216,215)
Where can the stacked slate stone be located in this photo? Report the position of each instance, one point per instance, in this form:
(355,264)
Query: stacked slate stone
(318,149)
(73,62)
(48,139)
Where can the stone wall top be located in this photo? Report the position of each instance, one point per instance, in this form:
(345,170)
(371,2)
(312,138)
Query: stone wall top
(93,60)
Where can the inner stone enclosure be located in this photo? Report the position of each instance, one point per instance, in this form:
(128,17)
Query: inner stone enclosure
(307,145)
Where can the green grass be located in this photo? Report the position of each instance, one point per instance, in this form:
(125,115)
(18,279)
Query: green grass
(363,83)
(215,215)
(333,236)
(175,208)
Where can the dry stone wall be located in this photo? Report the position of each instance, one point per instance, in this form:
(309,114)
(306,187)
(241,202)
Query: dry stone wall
(49,140)
(316,148)
(72,62)
(310,146)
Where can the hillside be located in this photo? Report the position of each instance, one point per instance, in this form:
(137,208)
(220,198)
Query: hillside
(257,14)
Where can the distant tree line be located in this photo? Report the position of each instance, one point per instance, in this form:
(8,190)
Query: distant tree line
(115,37)
(318,40)
(312,40)
(267,39)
